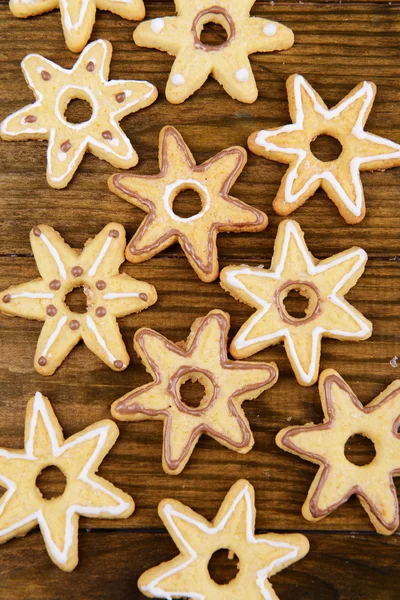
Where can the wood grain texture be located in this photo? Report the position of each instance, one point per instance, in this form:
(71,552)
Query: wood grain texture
(338,44)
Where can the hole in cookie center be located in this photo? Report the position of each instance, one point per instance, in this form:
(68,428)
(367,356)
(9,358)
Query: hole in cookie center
(326,148)
(76,300)
(223,566)
(78,110)
(187,203)
(51,482)
(192,393)
(213,34)
(359,450)
(296,304)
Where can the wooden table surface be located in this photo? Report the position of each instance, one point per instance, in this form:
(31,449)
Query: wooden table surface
(337,45)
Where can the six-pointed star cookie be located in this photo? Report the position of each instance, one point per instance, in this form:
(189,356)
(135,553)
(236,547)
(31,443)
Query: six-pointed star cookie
(323,283)
(22,506)
(260,556)
(196,234)
(109,294)
(78,16)
(202,358)
(340,178)
(338,478)
(228,62)
(54,87)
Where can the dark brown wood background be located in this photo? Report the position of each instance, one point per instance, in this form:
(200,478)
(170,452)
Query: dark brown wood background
(337,45)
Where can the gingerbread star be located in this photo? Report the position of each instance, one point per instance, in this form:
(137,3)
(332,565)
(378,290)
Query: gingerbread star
(260,556)
(109,294)
(324,283)
(228,62)
(340,178)
(338,478)
(201,358)
(196,234)
(22,507)
(78,16)
(110,101)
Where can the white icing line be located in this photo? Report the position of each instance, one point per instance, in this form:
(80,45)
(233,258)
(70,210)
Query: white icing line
(357,131)
(242,342)
(61,556)
(157,25)
(242,75)
(262,574)
(54,335)
(193,183)
(55,255)
(92,326)
(115,296)
(93,269)
(178,79)
(32,295)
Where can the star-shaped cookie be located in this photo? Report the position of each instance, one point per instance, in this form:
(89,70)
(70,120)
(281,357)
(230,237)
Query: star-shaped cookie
(197,234)
(338,478)
(340,178)
(86,494)
(228,62)
(109,294)
(324,283)
(260,556)
(78,16)
(54,88)
(202,358)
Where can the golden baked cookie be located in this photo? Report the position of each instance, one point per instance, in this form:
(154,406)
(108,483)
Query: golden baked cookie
(78,16)
(202,358)
(260,556)
(340,178)
(338,478)
(110,101)
(22,506)
(197,234)
(109,294)
(323,282)
(228,62)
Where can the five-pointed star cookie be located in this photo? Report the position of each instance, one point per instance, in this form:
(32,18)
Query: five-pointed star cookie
(324,283)
(340,178)
(22,506)
(338,478)
(78,16)
(202,358)
(260,556)
(228,62)
(109,294)
(196,234)
(110,101)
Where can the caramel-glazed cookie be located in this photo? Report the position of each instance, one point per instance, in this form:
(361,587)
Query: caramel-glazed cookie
(260,556)
(324,444)
(22,507)
(324,283)
(340,178)
(109,294)
(78,16)
(228,62)
(202,358)
(54,88)
(197,234)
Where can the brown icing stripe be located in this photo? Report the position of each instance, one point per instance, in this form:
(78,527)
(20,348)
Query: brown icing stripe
(213,10)
(297,285)
(316,458)
(126,407)
(151,208)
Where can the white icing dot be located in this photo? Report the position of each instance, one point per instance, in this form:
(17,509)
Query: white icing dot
(270,29)
(128,93)
(178,79)
(242,75)
(62,156)
(93,60)
(157,25)
(114,142)
(39,69)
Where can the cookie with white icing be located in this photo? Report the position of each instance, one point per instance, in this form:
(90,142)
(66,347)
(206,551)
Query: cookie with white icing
(109,294)
(22,506)
(324,444)
(233,528)
(227,384)
(78,16)
(197,234)
(54,87)
(340,178)
(323,282)
(228,62)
